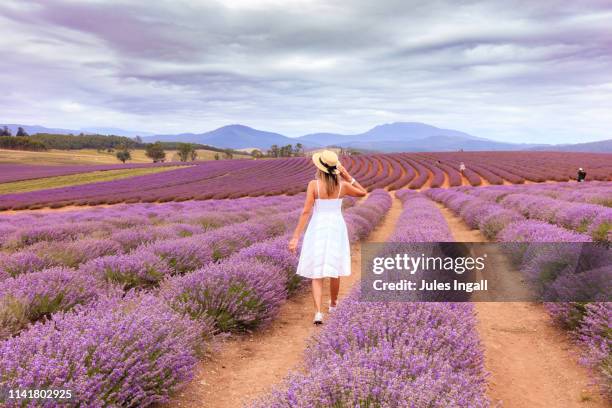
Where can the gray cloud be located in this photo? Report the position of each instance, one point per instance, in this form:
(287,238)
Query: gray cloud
(510,70)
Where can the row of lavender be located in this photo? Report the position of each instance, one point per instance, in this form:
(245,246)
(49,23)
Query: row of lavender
(556,204)
(35,242)
(135,348)
(239,178)
(107,265)
(19,172)
(596,192)
(508,221)
(375,354)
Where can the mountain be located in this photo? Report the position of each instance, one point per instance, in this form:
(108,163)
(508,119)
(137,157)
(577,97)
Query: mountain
(391,137)
(602,146)
(436,144)
(234,136)
(397,132)
(114,131)
(33,129)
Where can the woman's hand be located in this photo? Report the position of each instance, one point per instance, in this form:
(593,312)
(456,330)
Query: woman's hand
(293,245)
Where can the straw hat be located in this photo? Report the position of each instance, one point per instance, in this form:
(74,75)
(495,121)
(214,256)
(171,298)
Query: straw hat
(326,161)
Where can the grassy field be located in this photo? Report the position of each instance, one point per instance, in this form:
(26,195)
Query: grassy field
(76,179)
(88,156)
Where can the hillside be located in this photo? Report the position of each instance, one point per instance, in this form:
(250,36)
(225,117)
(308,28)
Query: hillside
(602,146)
(231,136)
(33,129)
(391,137)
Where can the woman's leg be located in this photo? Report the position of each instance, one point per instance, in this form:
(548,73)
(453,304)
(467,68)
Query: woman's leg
(334,288)
(317,293)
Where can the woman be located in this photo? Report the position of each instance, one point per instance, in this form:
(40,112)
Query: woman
(325,250)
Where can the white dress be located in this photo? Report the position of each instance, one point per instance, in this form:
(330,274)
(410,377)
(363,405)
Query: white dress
(326,252)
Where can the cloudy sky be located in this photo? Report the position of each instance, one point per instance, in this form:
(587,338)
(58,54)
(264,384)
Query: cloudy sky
(530,71)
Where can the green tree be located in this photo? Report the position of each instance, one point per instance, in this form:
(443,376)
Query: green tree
(5,132)
(185,151)
(21,132)
(138,139)
(123,153)
(227,154)
(274,151)
(155,151)
(257,153)
(193,155)
(299,149)
(217,157)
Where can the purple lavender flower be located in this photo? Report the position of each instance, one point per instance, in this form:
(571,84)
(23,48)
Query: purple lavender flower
(22,262)
(238,296)
(139,269)
(182,255)
(131,351)
(596,338)
(390,354)
(34,296)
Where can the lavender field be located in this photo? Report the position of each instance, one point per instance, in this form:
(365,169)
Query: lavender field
(249,178)
(120,303)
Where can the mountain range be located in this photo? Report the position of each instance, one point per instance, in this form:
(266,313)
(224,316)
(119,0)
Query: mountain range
(391,137)
(33,129)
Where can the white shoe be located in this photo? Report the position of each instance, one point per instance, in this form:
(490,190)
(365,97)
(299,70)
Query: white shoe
(332,308)
(318,318)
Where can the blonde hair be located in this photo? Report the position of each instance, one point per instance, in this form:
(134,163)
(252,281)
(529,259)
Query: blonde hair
(330,180)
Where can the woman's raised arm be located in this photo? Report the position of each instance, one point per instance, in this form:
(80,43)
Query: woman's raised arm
(352,186)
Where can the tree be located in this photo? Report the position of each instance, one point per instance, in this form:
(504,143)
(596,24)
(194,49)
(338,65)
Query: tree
(21,132)
(185,151)
(257,154)
(298,149)
(155,151)
(5,132)
(228,154)
(123,153)
(193,155)
(217,157)
(274,151)
(138,139)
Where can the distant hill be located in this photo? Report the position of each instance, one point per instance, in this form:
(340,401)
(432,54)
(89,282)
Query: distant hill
(391,137)
(411,136)
(602,146)
(231,136)
(436,144)
(33,129)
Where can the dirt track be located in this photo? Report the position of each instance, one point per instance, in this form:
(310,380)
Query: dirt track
(532,364)
(248,366)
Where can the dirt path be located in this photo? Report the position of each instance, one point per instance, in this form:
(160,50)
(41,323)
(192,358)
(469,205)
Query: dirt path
(532,363)
(248,366)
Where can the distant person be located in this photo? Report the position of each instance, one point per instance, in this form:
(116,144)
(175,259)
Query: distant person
(326,252)
(581,175)
(462,167)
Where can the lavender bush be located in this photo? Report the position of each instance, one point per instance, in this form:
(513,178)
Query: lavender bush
(238,295)
(34,296)
(131,351)
(21,263)
(139,269)
(596,335)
